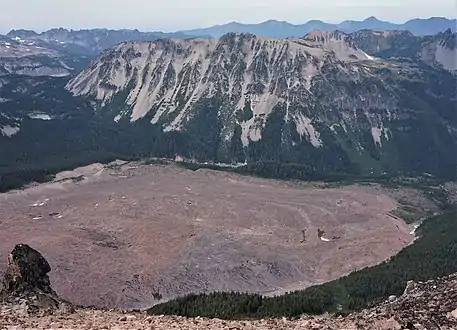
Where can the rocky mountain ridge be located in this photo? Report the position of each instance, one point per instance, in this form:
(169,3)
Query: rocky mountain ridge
(193,68)
(318,92)
(424,305)
(36,58)
(87,41)
(438,50)
(362,103)
(60,52)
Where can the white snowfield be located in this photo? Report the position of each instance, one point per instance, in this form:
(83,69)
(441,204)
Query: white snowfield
(9,131)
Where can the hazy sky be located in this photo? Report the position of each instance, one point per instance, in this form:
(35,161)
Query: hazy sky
(169,15)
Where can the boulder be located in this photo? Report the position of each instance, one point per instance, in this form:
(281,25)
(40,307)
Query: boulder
(26,282)
(410,286)
(26,271)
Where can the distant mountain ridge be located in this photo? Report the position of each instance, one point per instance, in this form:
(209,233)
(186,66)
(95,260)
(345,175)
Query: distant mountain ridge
(282,29)
(37,58)
(438,50)
(60,52)
(88,41)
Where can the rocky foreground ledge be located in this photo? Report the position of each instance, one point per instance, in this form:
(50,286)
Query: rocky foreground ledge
(27,301)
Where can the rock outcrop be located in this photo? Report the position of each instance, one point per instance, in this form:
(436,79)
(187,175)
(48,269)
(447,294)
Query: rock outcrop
(27,270)
(26,282)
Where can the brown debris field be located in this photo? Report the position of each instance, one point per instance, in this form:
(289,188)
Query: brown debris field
(132,235)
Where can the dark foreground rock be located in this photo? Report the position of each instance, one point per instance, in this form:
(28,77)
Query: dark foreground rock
(26,283)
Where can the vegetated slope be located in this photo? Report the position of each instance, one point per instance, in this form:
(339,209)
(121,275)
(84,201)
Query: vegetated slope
(432,255)
(319,101)
(44,129)
(281,29)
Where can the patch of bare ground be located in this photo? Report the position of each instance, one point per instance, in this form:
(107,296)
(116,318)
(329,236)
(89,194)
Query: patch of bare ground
(129,235)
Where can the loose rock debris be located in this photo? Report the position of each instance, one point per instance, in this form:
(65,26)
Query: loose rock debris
(154,232)
(29,302)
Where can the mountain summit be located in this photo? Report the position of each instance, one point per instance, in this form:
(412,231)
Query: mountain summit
(248,73)
(250,98)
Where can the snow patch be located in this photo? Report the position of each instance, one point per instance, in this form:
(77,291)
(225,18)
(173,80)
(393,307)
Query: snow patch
(386,133)
(228,136)
(413,230)
(376,133)
(309,72)
(9,131)
(40,203)
(369,57)
(40,116)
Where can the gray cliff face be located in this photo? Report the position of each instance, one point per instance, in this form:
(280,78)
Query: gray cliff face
(249,76)
(274,99)
(280,99)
